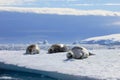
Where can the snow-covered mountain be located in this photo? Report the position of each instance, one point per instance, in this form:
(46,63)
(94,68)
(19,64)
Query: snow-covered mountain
(113,39)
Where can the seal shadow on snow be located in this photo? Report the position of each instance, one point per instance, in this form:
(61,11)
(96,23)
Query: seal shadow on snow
(53,75)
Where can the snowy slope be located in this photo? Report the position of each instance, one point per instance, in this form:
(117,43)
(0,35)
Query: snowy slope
(103,65)
(108,39)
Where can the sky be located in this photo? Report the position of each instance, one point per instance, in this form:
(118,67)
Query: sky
(57,20)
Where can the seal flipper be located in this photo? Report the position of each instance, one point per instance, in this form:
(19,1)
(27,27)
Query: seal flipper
(90,54)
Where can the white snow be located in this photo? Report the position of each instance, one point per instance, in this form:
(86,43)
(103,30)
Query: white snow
(104,65)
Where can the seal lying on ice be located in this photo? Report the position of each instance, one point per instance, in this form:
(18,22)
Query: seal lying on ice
(33,49)
(78,52)
(55,48)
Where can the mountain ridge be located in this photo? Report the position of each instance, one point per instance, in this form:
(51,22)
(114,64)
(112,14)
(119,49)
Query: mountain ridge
(112,39)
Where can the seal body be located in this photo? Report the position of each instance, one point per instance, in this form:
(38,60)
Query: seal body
(33,49)
(78,52)
(55,48)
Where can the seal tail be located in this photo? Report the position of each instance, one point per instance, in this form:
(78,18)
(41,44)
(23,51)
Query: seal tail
(91,54)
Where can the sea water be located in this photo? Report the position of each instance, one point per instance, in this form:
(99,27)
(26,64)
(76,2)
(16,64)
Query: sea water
(15,75)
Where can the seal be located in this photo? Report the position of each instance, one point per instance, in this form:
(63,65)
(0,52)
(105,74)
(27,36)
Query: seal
(33,49)
(78,52)
(55,48)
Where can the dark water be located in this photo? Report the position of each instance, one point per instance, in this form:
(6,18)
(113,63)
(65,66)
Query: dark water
(15,75)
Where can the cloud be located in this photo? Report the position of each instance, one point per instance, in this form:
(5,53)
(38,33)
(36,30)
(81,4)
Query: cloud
(105,4)
(116,23)
(61,11)
(83,4)
(60,0)
(41,31)
(15,2)
(112,4)
(19,2)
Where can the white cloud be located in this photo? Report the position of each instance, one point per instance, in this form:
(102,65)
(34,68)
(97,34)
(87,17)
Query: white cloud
(41,31)
(59,0)
(112,4)
(83,4)
(106,4)
(116,23)
(60,11)
(15,2)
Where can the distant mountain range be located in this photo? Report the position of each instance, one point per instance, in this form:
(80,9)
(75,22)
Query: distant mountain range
(113,39)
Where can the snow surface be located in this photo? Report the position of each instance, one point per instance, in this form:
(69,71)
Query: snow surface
(104,65)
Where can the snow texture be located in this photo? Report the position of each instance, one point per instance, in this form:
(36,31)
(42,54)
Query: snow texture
(103,65)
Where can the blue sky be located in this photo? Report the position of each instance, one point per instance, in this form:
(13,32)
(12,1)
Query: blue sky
(23,21)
